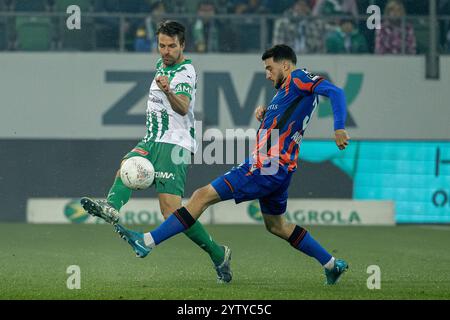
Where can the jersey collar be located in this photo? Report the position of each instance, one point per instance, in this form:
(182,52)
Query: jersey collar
(286,82)
(177,65)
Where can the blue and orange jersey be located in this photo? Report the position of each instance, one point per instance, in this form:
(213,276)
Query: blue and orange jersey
(288,115)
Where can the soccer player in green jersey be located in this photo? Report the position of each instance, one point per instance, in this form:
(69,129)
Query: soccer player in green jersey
(170,130)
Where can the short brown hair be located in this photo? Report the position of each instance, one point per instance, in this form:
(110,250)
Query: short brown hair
(172,28)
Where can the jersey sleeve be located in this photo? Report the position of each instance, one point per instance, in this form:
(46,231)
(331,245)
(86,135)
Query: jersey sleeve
(305,82)
(184,82)
(337,99)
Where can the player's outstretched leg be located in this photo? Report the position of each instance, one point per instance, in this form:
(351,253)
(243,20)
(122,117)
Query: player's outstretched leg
(108,210)
(135,239)
(220,255)
(180,220)
(333,275)
(101,209)
(302,240)
(223,269)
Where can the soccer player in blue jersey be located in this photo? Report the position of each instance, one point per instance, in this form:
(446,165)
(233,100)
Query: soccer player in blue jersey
(267,173)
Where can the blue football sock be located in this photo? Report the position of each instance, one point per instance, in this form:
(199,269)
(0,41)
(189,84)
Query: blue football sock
(312,248)
(177,222)
(303,241)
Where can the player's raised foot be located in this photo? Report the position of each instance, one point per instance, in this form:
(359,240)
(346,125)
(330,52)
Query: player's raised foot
(134,239)
(100,209)
(224,273)
(340,266)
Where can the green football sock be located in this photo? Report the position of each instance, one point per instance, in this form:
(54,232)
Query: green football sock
(200,236)
(119,194)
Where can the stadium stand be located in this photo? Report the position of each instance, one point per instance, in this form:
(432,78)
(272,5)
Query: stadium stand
(82,39)
(3,39)
(127,25)
(3,34)
(33,33)
(30,6)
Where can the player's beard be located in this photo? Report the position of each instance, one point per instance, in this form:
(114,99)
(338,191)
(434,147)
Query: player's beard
(171,60)
(279,81)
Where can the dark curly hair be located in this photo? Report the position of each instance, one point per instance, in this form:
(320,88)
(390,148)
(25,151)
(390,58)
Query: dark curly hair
(280,52)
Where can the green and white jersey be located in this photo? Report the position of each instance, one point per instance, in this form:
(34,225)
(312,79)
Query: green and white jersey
(163,123)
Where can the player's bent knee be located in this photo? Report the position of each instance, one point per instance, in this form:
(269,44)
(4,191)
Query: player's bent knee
(274,229)
(203,197)
(277,225)
(200,196)
(168,206)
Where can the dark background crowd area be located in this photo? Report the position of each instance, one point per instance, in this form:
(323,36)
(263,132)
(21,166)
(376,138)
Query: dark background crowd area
(241,26)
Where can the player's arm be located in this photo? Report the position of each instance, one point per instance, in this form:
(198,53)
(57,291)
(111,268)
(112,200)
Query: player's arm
(178,102)
(339,106)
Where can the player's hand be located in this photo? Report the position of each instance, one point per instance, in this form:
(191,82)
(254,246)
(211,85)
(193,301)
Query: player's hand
(163,83)
(342,138)
(260,111)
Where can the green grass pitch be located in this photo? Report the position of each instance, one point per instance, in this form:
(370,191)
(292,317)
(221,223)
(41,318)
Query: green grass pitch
(414,262)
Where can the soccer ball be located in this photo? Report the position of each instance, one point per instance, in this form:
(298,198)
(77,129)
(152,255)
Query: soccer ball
(137,173)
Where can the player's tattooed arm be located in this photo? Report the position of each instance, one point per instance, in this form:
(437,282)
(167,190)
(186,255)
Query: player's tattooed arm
(260,111)
(178,102)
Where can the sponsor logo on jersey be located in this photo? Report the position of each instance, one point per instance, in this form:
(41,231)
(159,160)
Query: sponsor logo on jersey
(142,152)
(164,175)
(183,87)
(155,99)
(310,75)
(297,137)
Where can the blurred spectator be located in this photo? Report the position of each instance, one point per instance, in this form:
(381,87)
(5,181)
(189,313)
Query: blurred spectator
(248,29)
(227,27)
(324,8)
(206,29)
(413,7)
(444,25)
(448,41)
(280,6)
(224,6)
(389,39)
(346,39)
(3,24)
(176,7)
(146,39)
(7,31)
(30,5)
(108,28)
(297,31)
(250,7)
(142,43)
(6,5)
(182,9)
(335,7)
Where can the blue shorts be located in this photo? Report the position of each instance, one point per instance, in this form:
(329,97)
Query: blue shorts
(241,185)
